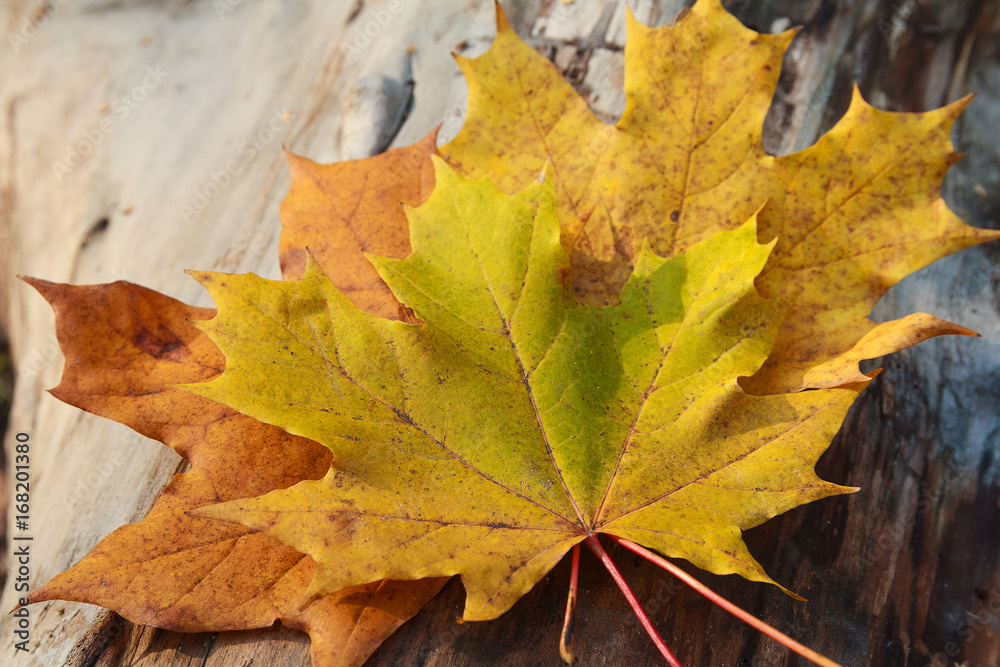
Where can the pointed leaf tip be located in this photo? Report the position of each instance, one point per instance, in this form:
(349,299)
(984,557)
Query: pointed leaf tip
(502,24)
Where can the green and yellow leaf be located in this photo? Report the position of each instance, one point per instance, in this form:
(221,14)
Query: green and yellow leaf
(514,421)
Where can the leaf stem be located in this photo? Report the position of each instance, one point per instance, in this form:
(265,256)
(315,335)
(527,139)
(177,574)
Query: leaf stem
(566,638)
(744,616)
(596,547)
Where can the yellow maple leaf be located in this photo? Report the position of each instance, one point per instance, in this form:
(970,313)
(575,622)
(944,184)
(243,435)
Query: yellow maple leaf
(513,422)
(852,215)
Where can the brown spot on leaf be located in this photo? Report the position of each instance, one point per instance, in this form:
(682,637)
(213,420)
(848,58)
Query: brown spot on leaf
(163,346)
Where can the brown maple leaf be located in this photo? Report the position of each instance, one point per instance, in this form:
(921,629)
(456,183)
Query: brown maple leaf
(124,346)
(340,211)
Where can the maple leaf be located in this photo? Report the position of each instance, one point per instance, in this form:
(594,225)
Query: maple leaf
(340,211)
(683,188)
(686,160)
(123,345)
(515,422)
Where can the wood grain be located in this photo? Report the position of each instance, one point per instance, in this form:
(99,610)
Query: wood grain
(906,572)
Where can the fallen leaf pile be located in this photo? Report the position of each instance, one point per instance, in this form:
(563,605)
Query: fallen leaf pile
(566,331)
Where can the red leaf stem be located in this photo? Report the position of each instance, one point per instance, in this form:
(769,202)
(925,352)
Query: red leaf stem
(566,638)
(768,630)
(596,547)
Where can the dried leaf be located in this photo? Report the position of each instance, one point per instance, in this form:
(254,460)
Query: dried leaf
(340,211)
(124,344)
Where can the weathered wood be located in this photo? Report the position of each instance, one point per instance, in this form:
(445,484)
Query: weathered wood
(905,572)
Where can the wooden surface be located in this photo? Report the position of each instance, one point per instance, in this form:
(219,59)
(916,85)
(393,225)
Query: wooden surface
(906,572)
